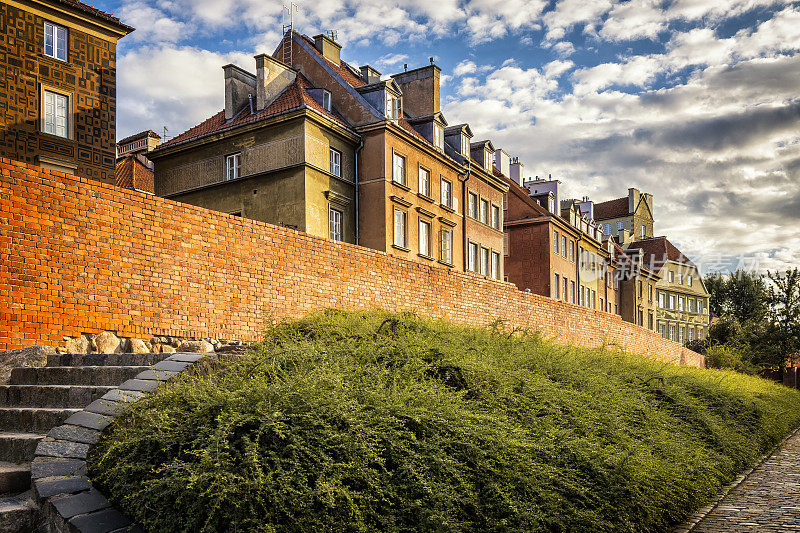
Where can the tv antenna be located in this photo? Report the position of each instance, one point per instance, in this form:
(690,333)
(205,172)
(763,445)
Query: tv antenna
(165,136)
(333,34)
(288,28)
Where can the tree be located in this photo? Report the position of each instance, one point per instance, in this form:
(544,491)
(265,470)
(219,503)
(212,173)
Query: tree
(746,296)
(783,297)
(717,287)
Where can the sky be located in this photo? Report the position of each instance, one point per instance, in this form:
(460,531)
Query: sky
(694,101)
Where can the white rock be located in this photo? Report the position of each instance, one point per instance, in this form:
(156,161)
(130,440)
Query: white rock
(138,346)
(107,342)
(78,345)
(196,347)
(166,348)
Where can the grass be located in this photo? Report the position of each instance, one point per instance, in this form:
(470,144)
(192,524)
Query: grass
(358,422)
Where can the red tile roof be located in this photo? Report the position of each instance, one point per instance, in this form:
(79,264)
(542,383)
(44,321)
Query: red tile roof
(342,68)
(133,174)
(140,135)
(93,10)
(611,209)
(295,96)
(658,250)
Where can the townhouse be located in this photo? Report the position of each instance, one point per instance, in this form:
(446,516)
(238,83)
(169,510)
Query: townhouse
(58,86)
(638,292)
(626,218)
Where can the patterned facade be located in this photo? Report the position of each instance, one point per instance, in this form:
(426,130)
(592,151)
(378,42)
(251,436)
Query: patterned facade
(58,59)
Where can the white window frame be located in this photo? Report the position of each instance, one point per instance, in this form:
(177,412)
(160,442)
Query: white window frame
(233,166)
(400,223)
(327,102)
(424,182)
(484,261)
(485,211)
(496,265)
(335,162)
(620,226)
(496,220)
(58,39)
(472,256)
(56,115)
(464,145)
(446,193)
(662,300)
(446,246)
(399,166)
(425,238)
(335,224)
(438,136)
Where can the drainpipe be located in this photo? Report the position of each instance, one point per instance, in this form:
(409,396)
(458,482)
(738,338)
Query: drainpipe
(355,181)
(465,240)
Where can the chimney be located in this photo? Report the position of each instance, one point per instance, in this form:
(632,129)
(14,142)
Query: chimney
(272,77)
(633,199)
(587,207)
(516,170)
(624,236)
(329,48)
(420,90)
(503,162)
(370,75)
(238,85)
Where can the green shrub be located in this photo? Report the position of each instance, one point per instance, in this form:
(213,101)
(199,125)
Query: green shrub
(728,357)
(360,422)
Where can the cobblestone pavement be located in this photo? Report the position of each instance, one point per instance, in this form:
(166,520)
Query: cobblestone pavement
(768,500)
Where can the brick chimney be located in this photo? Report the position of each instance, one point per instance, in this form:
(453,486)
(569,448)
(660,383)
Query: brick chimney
(420,90)
(239,85)
(272,77)
(516,171)
(370,75)
(329,48)
(633,199)
(503,162)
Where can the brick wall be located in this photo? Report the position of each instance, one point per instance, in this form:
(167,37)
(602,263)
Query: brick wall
(78,256)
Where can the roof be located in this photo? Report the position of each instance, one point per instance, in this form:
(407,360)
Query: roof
(131,173)
(626,259)
(140,135)
(77,4)
(343,69)
(295,96)
(611,209)
(657,251)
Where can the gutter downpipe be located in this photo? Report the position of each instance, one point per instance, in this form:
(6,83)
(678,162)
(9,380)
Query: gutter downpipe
(355,178)
(465,239)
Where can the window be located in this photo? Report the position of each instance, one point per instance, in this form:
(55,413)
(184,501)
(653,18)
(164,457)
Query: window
(672,333)
(640,288)
(485,216)
(661,300)
(232,166)
(682,335)
(564,245)
(649,293)
(496,265)
(446,246)
(607,229)
(399,169)
(336,162)
(671,276)
(392,106)
(689,280)
(496,217)
(691,334)
(400,228)
(650,321)
(691,305)
(681,301)
(56,113)
(506,242)
(619,226)
(602,308)
(680,279)
(55,41)
(644,231)
(472,205)
(572,252)
(438,137)
(424,182)
(640,318)
(672,301)
(464,146)
(558,287)
(572,291)
(662,330)
(335,224)
(700,306)
(424,238)
(594,300)
(700,334)
(326,100)
(564,295)
(447,193)
(472,257)
(485,261)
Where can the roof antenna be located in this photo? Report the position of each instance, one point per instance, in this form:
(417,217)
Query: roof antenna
(431,59)
(288,29)
(333,34)
(405,67)
(165,136)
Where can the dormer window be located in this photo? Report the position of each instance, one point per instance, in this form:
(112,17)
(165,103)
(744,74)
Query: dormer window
(326,100)
(464,146)
(487,160)
(392,106)
(438,136)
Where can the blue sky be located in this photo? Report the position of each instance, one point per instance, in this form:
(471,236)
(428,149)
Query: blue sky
(694,101)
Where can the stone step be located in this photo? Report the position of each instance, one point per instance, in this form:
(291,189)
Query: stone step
(14,477)
(38,419)
(50,395)
(17,513)
(106,359)
(75,375)
(18,447)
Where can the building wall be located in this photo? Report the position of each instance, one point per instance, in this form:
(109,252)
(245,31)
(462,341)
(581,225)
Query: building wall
(637,305)
(694,324)
(159,267)
(88,77)
(480,232)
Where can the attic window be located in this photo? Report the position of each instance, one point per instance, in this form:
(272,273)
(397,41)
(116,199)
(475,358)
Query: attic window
(392,106)
(464,145)
(438,136)
(487,160)
(326,100)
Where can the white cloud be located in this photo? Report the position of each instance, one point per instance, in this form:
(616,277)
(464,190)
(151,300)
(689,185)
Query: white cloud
(634,19)
(569,13)
(152,25)
(555,69)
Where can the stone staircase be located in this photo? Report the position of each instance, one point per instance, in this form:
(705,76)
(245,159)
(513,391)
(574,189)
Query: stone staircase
(38,399)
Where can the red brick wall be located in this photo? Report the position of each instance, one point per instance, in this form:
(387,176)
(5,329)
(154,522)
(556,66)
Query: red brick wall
(78,256)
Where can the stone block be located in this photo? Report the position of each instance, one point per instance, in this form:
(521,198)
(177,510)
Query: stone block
(67,485)
(90,420)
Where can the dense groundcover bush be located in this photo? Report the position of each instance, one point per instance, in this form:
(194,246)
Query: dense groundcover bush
(385,422)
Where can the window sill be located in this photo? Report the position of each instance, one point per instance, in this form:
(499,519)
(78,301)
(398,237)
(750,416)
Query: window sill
(400,185)
(429,258)
(402,248)
(445,263)
(447,208)
(426,197)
